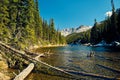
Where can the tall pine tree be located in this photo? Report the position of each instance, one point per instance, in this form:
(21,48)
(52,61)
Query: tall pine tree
(4,20)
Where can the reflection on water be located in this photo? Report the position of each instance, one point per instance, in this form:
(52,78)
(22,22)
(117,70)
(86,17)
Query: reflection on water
(75,58)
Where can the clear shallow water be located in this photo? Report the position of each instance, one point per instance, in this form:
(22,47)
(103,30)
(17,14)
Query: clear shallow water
(75,58)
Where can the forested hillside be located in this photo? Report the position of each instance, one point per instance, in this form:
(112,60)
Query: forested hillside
(82,37)
(107,30)
(22,26)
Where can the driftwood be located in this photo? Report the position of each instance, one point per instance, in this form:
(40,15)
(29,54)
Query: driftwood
(68,72)
(30,59)
(40,55)
(109,68)
(31,53)
(36,54)
(48,52)
(90,74)
(58,69)
(25,72)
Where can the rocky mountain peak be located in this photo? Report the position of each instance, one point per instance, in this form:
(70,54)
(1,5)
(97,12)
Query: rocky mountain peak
(79,29)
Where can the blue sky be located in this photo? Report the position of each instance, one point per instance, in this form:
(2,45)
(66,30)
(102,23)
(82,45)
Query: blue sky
(73,13)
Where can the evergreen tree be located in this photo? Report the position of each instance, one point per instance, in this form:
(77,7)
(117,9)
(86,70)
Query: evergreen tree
(4,20)
(45,30)
(118,23)
(57,37)
(94,34)
(13,16)
(38,21)
(21,24)
(52,31)
(114,32)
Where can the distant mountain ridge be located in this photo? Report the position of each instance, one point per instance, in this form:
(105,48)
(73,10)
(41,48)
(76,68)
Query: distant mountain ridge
(81,28)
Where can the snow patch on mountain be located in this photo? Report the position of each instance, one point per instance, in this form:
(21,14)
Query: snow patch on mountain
(81,28)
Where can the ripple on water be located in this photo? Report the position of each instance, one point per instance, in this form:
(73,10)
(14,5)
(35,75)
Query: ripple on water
(75,58)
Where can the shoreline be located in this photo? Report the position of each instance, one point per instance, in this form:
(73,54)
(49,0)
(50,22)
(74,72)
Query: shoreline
(46,46)
(52,46)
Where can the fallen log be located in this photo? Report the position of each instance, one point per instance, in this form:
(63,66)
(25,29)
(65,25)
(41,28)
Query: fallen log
(18,53)
(90,74)
(25,72)
(109,68)
(33,60)
(40,55)
(58,69)
(37,57)
(31,53)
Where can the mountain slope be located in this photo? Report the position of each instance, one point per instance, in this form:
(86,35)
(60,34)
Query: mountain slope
(68,31)
(82,37)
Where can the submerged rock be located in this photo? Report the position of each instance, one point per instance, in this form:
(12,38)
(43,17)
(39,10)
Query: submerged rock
(91,54)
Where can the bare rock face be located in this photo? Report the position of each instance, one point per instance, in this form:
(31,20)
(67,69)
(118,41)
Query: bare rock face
(81,28)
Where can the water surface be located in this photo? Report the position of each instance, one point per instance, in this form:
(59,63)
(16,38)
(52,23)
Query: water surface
(76,58)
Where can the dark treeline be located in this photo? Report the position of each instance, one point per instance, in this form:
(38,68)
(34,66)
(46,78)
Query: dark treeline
(21,25)
(107,30)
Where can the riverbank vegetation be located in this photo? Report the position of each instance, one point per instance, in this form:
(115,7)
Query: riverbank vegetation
(107,30)
(22,26)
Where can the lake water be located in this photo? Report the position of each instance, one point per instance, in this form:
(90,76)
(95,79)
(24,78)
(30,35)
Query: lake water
(76,58)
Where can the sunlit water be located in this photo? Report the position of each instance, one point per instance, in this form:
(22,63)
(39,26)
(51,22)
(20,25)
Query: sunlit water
(76,58)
